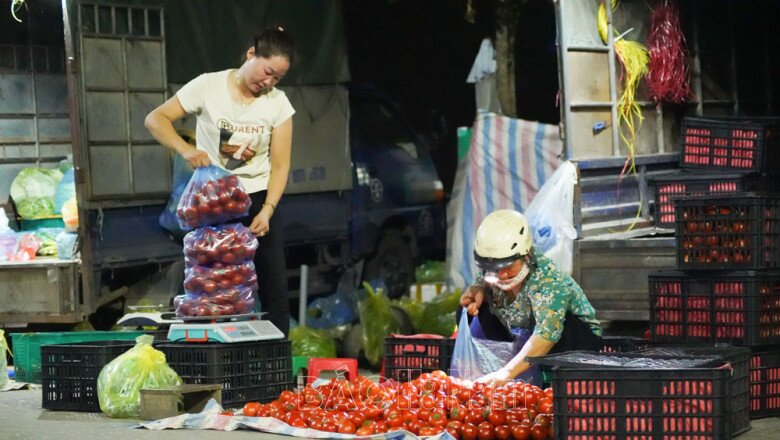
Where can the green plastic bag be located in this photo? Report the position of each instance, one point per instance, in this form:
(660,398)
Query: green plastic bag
(378,322)
(310,342)
(431,272)
(438,315)
(120,382)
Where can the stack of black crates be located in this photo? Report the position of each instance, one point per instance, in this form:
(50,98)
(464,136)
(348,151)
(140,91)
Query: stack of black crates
(724,296)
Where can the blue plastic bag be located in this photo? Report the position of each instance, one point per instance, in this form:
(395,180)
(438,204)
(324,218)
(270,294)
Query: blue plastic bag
(182,173)
(473,358)
(65,191)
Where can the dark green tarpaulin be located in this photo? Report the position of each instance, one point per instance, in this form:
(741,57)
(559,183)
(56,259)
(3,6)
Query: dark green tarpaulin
(210,35)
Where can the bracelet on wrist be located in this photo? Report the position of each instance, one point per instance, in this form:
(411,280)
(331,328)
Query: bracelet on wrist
(273,207)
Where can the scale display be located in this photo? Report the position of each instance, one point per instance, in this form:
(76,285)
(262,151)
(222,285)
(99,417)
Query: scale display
(227,332)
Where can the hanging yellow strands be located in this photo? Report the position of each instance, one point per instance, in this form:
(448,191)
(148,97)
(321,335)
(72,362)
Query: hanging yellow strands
(635,59)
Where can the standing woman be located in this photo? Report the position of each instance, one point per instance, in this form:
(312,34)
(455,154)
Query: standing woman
(244,125)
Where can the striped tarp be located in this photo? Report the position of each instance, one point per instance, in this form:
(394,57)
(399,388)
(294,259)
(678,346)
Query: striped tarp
(508,161)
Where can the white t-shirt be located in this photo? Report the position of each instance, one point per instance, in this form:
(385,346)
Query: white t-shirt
(235,136)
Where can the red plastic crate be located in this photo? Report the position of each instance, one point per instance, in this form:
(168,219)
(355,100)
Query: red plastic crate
(765,384)
(408,357)
(739,307)
(684,184)
(647,404)
(737,231)
(730,144)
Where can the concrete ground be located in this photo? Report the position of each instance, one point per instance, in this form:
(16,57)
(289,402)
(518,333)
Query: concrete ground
(21,417)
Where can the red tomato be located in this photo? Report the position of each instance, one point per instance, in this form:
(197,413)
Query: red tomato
(366,429)
(347,427)
(520,432)
(485,431)
(468,432)
(502,432)
(251,408)
(497,417)
(458,413)
(539,432)
(438,418)
(427,430)
(545,405)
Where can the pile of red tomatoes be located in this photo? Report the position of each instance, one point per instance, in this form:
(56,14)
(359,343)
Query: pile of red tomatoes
(428,405)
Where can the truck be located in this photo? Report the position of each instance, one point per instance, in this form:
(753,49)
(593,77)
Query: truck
(363,193)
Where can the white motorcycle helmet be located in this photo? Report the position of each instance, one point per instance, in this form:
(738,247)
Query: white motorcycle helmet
(502,238)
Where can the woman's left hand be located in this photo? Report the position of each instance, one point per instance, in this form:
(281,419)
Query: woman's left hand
(496,378)
(261,223)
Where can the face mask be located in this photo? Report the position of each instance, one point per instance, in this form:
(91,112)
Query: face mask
(514,282)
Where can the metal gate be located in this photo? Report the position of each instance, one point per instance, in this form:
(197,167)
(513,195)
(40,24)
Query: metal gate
(120,51)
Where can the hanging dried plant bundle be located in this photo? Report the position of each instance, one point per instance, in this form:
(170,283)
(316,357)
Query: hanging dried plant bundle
(669,76)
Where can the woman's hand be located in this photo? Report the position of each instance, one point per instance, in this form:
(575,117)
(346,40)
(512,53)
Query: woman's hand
(261,223)
(471,299)
(496,378)
(196,158)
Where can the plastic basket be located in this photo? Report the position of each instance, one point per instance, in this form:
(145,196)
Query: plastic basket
(738,358)
(738,231)
(592,403)
(765,384)
(69,373)
(591,360)
(27,348)
(730,144)
(408,357)
(737,307)
(256,371)
(685,184)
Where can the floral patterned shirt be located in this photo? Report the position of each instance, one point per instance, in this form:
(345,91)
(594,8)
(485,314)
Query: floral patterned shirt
(544,298)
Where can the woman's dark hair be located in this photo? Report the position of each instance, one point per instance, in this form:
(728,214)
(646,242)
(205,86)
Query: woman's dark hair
(274,42)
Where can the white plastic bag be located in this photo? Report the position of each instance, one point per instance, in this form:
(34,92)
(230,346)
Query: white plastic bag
(551,216)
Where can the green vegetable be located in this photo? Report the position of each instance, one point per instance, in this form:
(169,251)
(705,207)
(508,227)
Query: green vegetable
(310,342)
(438,315)
(378,322)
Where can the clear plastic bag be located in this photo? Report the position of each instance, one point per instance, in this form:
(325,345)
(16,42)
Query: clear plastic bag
(120,381)
(551,216)
(33,192)
(66,245)
(474,357)
(208,279)
(227,244)
(70,215)
(182,173)
(212,196)
(7,238)
(231,301)
(28,247)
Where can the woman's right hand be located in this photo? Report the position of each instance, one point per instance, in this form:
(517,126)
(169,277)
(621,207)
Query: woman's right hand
(471,299)
(196,158)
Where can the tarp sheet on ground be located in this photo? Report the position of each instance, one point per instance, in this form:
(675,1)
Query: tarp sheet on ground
(508,161)
(210,418)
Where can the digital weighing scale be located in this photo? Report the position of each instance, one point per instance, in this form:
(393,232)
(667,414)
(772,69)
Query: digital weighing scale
(226,329)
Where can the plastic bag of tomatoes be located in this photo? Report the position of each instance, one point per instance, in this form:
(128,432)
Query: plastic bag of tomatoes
(209,279)
(212,196)
(226,244)
(222,302)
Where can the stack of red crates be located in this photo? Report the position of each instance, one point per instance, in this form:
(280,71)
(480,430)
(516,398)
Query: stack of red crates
(726,288)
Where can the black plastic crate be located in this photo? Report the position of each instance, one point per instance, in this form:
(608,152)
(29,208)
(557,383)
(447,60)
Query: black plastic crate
(256,371)
(685,184)
(686,403)
(622,344)
(635,360)
(739,308)
(743,144)
(737,231)
(69,373)
(738,358)
(408,357)
(765,384)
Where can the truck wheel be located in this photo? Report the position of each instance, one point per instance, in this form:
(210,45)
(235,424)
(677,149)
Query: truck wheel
(392,263)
